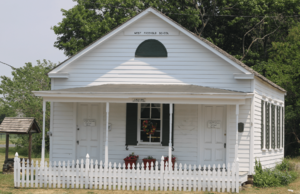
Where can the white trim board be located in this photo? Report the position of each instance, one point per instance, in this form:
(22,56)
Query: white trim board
(134,19)
(152,100)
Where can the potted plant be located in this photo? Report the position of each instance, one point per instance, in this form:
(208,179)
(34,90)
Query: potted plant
(130,160)
(148,160)
(166,159)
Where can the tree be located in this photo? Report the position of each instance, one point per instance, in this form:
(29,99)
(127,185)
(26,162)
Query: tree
(6,111)
(283,68)
(17,94)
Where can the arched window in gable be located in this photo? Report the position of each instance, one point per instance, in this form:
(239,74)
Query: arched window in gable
(151,48)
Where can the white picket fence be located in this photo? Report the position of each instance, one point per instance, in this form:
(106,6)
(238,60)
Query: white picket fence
(93,175)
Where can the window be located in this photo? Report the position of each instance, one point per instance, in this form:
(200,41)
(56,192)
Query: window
(151,48)
(271,126)
(159,114)
(150,123)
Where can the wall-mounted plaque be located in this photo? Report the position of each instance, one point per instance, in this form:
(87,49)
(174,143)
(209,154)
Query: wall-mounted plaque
(149,31)
(89,122)
(138,100)
(214,124)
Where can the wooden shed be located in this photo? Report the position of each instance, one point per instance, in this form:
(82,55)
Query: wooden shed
(18,125)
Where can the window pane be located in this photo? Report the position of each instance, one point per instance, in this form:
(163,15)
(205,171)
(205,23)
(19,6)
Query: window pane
(144,137)
(155,113)
(155,137)
(145,105)
(157,124)
(155,105)
(145,113)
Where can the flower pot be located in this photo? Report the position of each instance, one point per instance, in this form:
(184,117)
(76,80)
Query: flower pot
(129,163)
(149,161)
(166,160)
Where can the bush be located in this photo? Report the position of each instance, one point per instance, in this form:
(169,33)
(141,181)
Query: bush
(279,176)
(284,166)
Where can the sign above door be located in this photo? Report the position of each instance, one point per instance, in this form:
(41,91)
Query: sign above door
(155,32)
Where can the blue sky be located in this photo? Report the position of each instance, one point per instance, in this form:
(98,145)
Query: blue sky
(25,34)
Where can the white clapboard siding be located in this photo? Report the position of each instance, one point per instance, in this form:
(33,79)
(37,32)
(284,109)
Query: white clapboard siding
(244,137)
(63,131)
(114,61)
(268,158)
(154,176)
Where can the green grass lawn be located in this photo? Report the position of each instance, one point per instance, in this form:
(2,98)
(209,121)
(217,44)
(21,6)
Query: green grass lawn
(7,184)
(3,139)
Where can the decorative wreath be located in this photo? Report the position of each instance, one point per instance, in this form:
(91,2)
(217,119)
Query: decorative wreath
(149,127)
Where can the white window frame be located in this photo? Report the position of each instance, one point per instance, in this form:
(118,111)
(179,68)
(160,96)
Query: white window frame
(275,120)
(265,123)
(281,127)
(276,104)
(270,124)
(139,125)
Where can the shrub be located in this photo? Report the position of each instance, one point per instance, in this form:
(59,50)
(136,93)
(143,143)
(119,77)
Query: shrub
(284,165)
(273,177)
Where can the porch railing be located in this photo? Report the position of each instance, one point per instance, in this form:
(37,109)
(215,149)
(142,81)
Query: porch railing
(90,174)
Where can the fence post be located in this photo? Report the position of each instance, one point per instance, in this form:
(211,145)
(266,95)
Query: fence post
(16,170)
(87,164)
(237,184)
(162,166)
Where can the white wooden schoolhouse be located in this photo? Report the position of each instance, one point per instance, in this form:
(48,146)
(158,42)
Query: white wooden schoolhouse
(208,107)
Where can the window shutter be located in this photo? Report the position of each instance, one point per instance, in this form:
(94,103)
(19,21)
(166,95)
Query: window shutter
(267,126)
(262,124)
(278,127)
(166,125)
(131,123)
(273,126)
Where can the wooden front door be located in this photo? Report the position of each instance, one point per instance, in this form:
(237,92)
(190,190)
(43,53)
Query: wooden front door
(213,135)
(88,131)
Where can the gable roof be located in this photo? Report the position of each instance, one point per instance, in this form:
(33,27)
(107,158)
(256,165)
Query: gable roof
(19,125)
(207,44)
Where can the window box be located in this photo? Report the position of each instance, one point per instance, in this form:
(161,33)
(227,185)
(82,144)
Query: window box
(166,160)
(130,162)
(145,160)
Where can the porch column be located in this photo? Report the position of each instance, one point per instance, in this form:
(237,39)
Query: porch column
(43,140)
(170,136)
(237,132)
(106,140)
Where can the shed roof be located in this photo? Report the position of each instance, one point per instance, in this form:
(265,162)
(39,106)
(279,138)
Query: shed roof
(140,89)
(21,125)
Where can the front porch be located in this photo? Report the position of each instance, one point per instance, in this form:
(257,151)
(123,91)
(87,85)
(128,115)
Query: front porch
(192,134)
